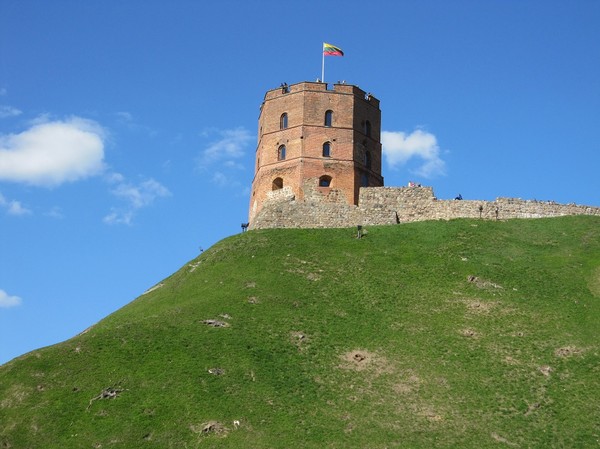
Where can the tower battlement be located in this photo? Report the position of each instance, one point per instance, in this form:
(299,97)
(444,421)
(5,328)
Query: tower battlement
(318,86)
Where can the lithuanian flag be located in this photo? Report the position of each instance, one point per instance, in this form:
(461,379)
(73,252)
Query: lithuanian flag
(332,50)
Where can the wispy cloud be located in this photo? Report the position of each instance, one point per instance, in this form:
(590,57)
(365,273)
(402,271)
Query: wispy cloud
(223,155)
(7,300)
(220,179)
(231,146)
(51,153)
(126,119)
(13,207)
(135,196)
(56,213)
(9,111)
(399,148)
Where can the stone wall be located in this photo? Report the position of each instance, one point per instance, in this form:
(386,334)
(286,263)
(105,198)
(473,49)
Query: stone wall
(392,205)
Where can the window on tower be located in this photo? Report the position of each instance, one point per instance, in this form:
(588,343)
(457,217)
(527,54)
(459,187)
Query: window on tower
(368,159)
(283,121)
(367,128)
(327,149)
(325,181)
(281,153)
(277,183)
(328,118)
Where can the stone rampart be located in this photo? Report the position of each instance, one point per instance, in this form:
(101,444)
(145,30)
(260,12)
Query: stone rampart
(392,205)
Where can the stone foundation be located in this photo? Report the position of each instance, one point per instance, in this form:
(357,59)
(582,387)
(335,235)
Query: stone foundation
(392,205)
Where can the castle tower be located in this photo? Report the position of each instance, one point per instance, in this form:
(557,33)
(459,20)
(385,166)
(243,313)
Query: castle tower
(316,144)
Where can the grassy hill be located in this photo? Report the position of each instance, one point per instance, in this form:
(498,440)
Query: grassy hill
(437,334)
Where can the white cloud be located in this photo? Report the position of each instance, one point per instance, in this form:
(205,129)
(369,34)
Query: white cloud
(7,300)
(119,217)
(220,179)
(9,111)
(13,207)
(125,116)
(142,194)
(230,146)
(51,153)
(56,212)
(136,196)
(399,148)
(114,178)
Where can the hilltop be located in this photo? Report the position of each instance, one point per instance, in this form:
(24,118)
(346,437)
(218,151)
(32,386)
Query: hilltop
(461,333)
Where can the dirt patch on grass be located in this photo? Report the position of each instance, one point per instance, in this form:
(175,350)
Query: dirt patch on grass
(210,428)
(511,360)
(501,439)
(156,287)
(298,339)
(469,333)
(478,306)
(410,384)
(482,283)
(362,360)
(215,323)
(430,414)
(15,396)
(568,351)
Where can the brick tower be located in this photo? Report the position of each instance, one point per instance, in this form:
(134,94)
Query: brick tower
(316,144)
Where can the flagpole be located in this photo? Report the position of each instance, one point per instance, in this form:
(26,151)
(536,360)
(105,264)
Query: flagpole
(323,67)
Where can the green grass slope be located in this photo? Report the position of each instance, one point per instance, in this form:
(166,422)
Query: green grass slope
(436,334)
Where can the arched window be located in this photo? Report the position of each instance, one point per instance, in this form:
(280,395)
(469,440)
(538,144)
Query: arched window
(367,128)
(328,118)
(368,159)
(283,121)
(277,184)
(327,149)
(281,153)
(324,181)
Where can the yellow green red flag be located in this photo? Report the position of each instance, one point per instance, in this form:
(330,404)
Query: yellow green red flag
(332,50)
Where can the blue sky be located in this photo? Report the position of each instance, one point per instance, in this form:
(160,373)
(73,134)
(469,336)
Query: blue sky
(128,128)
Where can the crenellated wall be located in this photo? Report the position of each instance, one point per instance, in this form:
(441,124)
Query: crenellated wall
(322,208)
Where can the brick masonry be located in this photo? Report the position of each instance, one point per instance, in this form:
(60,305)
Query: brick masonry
(355,148)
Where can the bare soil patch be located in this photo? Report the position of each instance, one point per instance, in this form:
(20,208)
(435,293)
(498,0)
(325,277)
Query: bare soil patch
(568,351)
(298,339)
(210,428)
(482,283)
(361,360)
(501,439)
(215,323)
(412,383)
(470,333)
(478,306)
